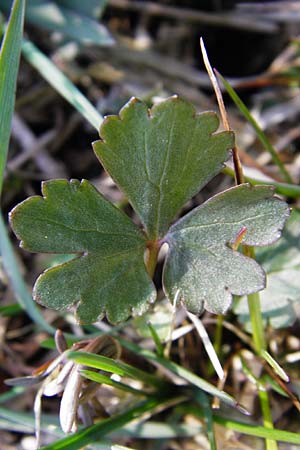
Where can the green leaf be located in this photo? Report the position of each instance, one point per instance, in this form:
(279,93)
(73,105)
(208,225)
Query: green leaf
(281,262)
(109,273)
(9,65)
(161,157)
(170,154)
(201,263)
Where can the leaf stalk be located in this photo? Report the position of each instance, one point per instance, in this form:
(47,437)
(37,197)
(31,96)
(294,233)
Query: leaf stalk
(153,248)
(271,444)
(260,348)
(256,322)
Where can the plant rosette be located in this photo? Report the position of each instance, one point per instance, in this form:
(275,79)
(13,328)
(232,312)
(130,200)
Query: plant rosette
(159,158)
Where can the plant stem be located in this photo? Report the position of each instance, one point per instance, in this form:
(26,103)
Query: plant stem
(239,176)
(260,346)
(264,404)
(255,313)
(256,322)
(218,335)
(271,444)
(153,248)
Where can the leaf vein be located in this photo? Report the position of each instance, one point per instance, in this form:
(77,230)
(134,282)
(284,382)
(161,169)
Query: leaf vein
(165,165)
(146,163)
(79,230)
(207,225)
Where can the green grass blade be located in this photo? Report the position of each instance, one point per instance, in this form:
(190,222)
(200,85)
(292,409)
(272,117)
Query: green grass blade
(275,366)
(259,431)
(271,443)
(104,379)
(145,430)
(61,83)
(110,365)
(250,429)
(100,429)
(156,339)
(9,64)
(12,393)
(10,310)
(205,405)
(260,134)
(16,418)
(183,373)
(20,289)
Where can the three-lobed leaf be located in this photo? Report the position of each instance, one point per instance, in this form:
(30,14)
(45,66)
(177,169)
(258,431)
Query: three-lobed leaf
(202,265)
(161,157)
(108,275)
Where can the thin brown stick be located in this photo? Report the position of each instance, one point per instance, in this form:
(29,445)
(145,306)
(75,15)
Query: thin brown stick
(239,176)
(283,385)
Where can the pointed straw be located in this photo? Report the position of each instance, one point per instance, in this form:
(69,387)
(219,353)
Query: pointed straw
(239,176)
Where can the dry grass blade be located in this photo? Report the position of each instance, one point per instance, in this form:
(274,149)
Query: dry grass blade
(236,159)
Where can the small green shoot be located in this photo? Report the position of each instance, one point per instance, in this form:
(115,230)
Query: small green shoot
(155,337)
